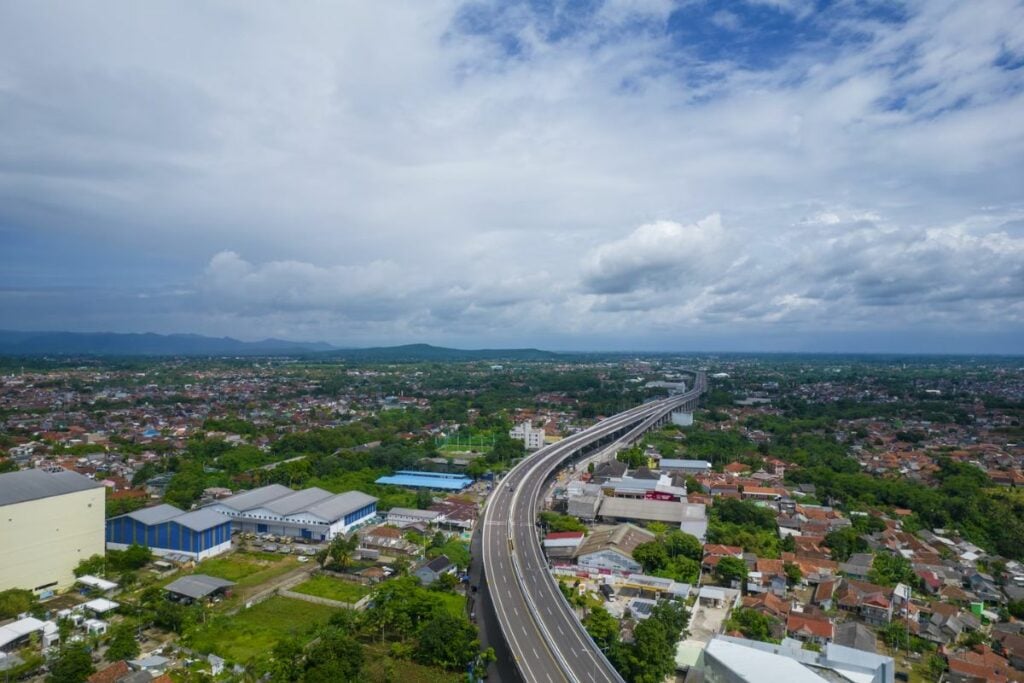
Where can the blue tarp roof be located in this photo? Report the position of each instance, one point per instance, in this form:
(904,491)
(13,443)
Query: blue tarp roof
(427,480)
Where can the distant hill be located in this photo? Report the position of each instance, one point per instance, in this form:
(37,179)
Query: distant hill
(426,352)
(118,344)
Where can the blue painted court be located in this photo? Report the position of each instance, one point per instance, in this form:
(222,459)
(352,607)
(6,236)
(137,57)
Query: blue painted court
(427,480)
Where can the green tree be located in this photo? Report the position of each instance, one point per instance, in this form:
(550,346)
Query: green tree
(651,555)
(424,499)
(731,569)
(342,549)
(651,657)
(935,667)
(845,542)
(339,658)
(447,641)
(751,623)
(679,543)
(287,660)
(122,642)
(73,664)
(633,457)
(602,627)
(888,569)
(14,601)
(895,635)
(556,522)
(794,574)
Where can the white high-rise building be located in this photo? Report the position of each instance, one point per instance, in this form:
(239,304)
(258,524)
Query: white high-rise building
(531,438)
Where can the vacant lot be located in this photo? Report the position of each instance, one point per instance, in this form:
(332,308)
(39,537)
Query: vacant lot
(380,666)
(256,630)
(454,603)
(333,589)
(247,569)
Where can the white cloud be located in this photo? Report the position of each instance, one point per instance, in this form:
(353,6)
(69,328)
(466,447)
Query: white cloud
(413,168)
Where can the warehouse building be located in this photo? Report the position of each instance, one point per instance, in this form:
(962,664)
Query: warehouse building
(167,530)
(427,480)
(310,514)
(52,521)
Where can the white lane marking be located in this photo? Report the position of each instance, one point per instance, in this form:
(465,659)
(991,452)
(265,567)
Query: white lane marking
(560,629)
(516,610)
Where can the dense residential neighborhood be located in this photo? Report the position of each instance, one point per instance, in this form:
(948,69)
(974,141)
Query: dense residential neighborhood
(178,518)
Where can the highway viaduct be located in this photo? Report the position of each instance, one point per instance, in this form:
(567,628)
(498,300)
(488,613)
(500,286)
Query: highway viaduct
(542,632)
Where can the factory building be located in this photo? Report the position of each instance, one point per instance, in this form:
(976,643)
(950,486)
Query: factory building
(167,530)
(51,522)
(441,481)
(310,514)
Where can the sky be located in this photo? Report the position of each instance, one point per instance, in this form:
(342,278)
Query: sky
(759,175)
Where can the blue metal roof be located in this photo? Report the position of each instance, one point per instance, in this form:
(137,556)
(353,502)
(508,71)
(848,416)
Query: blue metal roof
(427,480)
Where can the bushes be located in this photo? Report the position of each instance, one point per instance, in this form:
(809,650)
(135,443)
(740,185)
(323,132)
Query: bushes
(14,601)
(116,562)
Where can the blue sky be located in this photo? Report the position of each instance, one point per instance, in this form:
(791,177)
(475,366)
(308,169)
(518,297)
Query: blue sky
(648,174)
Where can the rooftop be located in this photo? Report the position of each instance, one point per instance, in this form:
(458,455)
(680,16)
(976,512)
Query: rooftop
(26,485)
(427,480)
(197,586)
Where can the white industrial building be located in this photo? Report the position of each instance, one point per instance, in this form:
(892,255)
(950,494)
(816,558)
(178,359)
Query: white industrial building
(311,514)
(738,660)
(533,439)
(403,517)
(52,521)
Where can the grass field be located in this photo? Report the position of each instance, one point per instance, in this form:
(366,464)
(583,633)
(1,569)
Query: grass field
(247,569)
(333,589)
(382,667)
(454,603)
(256,630)
(464,448)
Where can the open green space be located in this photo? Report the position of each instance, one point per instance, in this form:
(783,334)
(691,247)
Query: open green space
(381,666)
(333,589)
(454,603)
(255,631)
(247,569)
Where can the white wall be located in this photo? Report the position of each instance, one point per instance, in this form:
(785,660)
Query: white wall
(42,541)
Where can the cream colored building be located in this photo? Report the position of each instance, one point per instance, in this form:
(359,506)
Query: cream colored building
(49,522)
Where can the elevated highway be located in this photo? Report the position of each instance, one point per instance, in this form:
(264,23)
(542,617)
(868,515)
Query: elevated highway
(543,634)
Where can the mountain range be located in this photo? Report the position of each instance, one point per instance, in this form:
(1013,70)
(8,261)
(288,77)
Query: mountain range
(131,344)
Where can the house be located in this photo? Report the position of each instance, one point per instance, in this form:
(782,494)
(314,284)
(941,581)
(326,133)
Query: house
(611,549)
(980,664)
(858,565)
(388,541)
(768,604)
(872,603)
(856,635)
(809,629)
(1010,646)
(824,593)
(431,571)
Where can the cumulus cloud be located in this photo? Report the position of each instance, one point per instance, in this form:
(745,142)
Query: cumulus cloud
(659,255)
